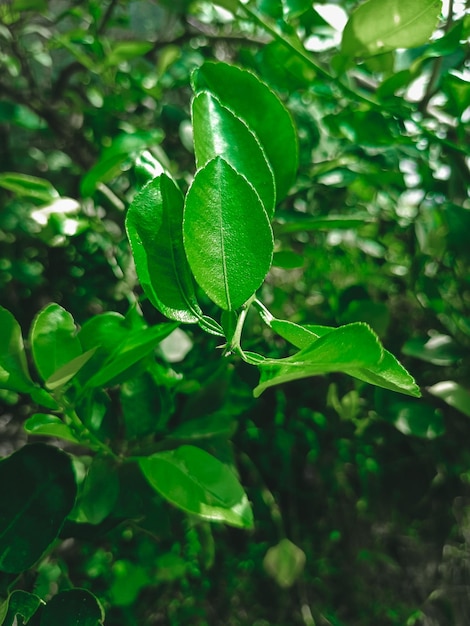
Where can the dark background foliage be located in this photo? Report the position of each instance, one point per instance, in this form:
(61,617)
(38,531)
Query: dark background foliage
(372,487)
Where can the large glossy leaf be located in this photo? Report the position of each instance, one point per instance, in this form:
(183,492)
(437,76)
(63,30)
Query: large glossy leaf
(37,492)
(198,483)
(252,100)
(227,235)
(19,604)
(54,341)
(219,132)
(135,347)
(376,26)
(353,349)
(75,607)
(14,373)
(154,227)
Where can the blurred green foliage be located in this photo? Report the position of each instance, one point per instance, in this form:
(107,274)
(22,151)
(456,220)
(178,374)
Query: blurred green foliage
(360,496)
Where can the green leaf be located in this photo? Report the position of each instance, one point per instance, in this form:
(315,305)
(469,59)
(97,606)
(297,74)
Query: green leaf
(65,373)
(75,607)
(198,483)
(154,228)
(297,223)
(146,406)
(452,394)
(285,563)
(438,350)
(127,50)
(219,132)
(227,235)
(252,101)
(376,26)
(297,335)
(50,425)
(19,604)
(54,341)
(100,490)
(37,492)
(109,164)
(14,373)
(28,186)
(135,347)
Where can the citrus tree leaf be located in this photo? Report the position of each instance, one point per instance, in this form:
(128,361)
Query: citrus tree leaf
(219,132)
(198,483)
(227,235)
(19,604)
(37,492)
(376,27)
(75,607)
(452,394)
(50,425)
(54,341)
(154,228)
(14,373)
(254,102)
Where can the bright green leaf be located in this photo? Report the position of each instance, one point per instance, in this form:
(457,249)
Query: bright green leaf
(254,102)
(50,425)
(127,50)
(227,235)
(198,483)
(28,186)
(54,341)
(154,227)
(75,607)
(14,373)
(65,373)
(376,27)
(37,492)
(219,132)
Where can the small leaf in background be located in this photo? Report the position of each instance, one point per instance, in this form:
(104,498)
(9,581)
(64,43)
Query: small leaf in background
(14,373)
(288,259)
(254,102)
(154,228)
(376,27)
(19,604)
(75,607)
(285,562)
(50,425)
(410,417)
(198,483)
(438,350)
(127,50)
(37,492)
(109,164)
(127,581)
(227,235)
(452,394)
(219,132)
(27,186)
(100,490)
(54,341)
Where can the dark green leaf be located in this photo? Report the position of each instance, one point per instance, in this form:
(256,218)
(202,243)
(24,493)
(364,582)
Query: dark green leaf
(154,227)
(100,490)
(19,604)
(54,340)
(227,235)
(75,607)
(251,100)
(198,483)
(51,425)
(146,406)
(37,492)
(219,132)
(439,350)
(376,27)
(14,373)
(452,394)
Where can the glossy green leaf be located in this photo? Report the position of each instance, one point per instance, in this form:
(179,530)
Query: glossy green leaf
(297,335)
(135,347)
(14,373)
(109,164)
(19,605)
(227,235)
(54,341)
(285,563)
(100,490)
(154,228)
(50,425)
(65,373)
(75,607)
(37,492)
(254,102)
(353,349)
(452,394)
(103,331)
(28,186)
(376,27)
(219,132)
(198,483)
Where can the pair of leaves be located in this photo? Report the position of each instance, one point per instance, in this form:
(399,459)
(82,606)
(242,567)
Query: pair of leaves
(221,232)
(353,349)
